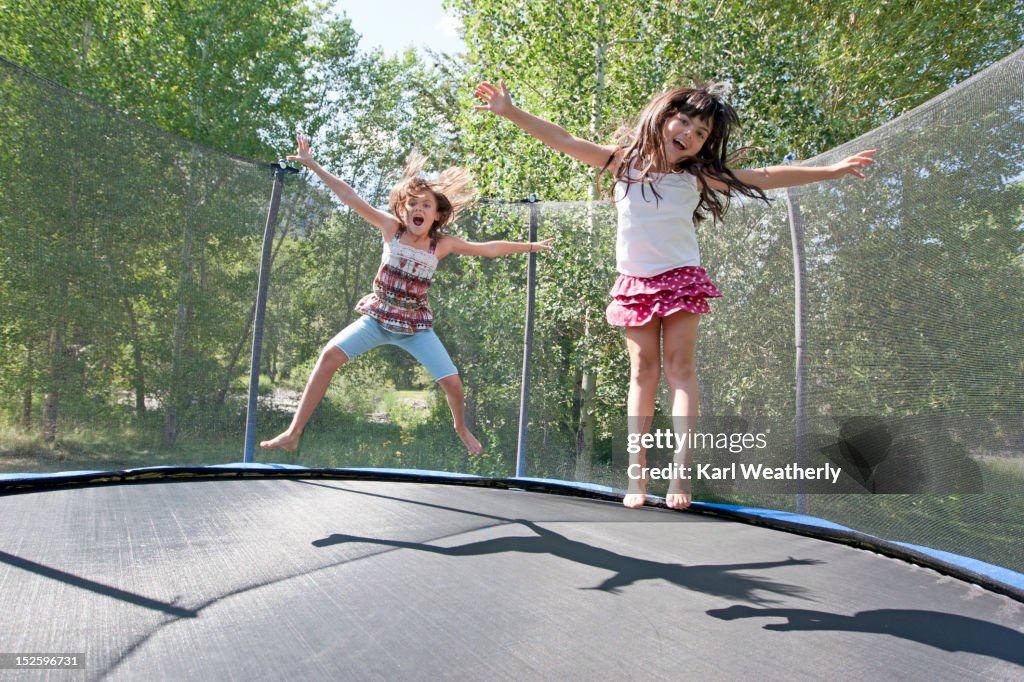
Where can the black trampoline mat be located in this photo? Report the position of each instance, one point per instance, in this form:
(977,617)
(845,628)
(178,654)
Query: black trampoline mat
(278,579)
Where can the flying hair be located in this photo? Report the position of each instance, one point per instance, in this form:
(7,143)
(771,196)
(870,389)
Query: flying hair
(452,189)
(639,145)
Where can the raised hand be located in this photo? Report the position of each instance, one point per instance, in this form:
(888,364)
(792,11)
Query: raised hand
(852,165)
(304,156)
(542,245)
(497,99)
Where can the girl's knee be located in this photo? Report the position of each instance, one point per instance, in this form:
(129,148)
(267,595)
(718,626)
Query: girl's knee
(452,382)
(644,370)
(332,357)
(680,369)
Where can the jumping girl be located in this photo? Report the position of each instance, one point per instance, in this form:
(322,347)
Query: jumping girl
(670,169)
(397,312)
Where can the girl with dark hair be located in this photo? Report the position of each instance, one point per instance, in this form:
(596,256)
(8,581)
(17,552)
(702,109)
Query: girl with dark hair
(671,168)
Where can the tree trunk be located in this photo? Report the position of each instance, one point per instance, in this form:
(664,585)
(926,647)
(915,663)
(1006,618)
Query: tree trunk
(181,317)
(585,434)
(225,384)
(26,395)
(587,387)
(138,369)
(51,404)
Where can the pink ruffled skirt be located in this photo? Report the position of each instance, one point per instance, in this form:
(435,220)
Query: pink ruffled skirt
(636,300)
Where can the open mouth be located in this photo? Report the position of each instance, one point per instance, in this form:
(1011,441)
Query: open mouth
(678,145)
(417,220)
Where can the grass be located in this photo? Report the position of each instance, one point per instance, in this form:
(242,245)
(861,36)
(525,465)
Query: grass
(107,450)
(399,430)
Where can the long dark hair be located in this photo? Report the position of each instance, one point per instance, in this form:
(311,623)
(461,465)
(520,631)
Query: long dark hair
(641,147)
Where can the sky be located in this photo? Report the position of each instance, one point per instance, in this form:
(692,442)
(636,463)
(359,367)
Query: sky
(394,25)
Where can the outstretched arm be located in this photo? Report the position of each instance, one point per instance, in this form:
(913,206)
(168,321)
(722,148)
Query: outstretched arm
(499,101)
(385,222)
(774,177)
(452,244)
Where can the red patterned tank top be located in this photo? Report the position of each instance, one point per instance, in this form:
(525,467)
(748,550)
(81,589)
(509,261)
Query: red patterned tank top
(399,299)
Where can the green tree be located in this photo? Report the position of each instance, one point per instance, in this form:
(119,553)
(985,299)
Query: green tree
(224,74)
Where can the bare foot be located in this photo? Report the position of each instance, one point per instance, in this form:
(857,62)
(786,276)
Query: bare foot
(285,441)
(678,500)
(636,493)
(634,500)
(470,441)
(679,495)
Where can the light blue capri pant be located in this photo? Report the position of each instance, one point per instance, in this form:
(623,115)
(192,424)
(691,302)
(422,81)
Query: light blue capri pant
(366,334)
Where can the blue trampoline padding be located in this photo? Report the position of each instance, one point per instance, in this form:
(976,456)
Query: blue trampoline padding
(589,487)
(256,466)
(61,474)
(251,466)
(1003,575)
(139,470)
(415,472)
(775,515)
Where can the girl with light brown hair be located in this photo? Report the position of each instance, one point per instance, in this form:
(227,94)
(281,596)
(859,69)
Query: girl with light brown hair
(397,312)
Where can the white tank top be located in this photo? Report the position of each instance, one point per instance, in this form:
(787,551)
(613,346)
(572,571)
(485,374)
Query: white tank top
(656,235)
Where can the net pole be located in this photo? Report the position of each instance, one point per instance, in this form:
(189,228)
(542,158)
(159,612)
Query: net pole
(796,232)
(280,170)
(531,298)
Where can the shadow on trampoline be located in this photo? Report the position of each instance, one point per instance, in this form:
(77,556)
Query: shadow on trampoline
(718,580)
(96,587)
(945,631)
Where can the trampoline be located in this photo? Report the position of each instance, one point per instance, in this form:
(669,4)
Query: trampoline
(376,575)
